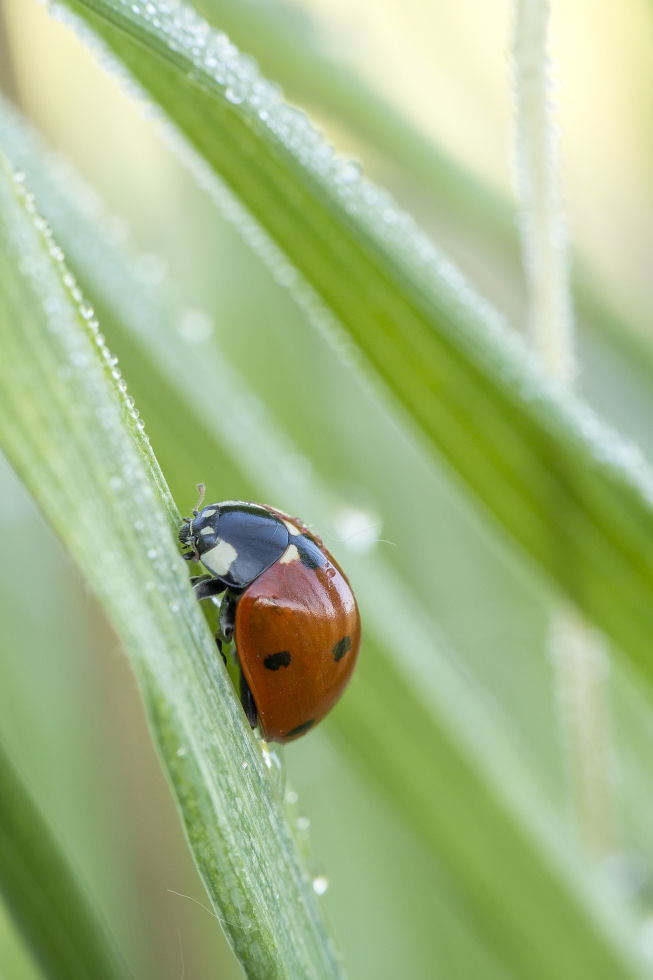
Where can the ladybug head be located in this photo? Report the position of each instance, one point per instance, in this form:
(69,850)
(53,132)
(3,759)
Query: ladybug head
(199,532)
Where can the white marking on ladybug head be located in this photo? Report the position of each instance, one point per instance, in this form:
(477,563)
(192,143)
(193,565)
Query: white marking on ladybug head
(208,513)
(291,528)
(290,554)
(207,530)
(220,558)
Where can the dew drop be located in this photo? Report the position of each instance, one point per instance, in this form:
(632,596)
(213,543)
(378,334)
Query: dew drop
(181,751)
(140,424)
(303,823)
(320,884)
(196,327)
(87,311)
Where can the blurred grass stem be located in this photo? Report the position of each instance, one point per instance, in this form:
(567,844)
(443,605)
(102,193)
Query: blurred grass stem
(582,666)
(578,653)
(537,161)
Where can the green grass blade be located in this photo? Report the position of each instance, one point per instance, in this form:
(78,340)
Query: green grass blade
(43,895)
(68,427)
(285,43)
(412,717)
(568,491)
(461,205)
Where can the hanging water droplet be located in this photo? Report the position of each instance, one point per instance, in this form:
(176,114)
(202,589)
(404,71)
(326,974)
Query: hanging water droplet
(140,424)
(86,310)
(303,823)
(320,884)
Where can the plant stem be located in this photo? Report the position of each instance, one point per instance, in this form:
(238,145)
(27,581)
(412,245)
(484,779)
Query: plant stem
(543,224)
(578,648)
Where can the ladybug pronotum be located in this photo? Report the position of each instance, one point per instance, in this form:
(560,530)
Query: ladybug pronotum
(286,604)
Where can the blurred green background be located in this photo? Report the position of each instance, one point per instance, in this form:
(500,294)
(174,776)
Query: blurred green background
(69,709)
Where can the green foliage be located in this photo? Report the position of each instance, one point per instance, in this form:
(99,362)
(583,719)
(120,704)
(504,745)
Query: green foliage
(466,762)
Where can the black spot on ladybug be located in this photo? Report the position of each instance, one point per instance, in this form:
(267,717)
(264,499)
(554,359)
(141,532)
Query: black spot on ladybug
(310,554)
(276,660)
(341,648)
(304,727)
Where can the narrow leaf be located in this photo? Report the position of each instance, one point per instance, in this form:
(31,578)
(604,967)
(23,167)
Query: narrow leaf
(43,895)
(65,422)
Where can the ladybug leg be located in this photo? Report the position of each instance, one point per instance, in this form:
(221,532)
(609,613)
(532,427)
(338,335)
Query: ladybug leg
(218,643)
(206,586)
(228,617)
(226,635)
(247,701)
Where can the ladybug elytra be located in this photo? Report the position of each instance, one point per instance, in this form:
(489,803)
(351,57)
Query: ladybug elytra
(286,604)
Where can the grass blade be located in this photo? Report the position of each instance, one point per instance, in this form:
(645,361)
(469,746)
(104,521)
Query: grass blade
(42,893)
(68,427)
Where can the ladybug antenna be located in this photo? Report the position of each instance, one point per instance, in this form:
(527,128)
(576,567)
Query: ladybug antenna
(201,490)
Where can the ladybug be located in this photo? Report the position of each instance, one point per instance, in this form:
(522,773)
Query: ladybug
(287,605)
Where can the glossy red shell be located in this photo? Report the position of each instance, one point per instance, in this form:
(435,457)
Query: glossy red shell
(297,634)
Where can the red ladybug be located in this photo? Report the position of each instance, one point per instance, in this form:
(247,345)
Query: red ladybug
(287,605)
